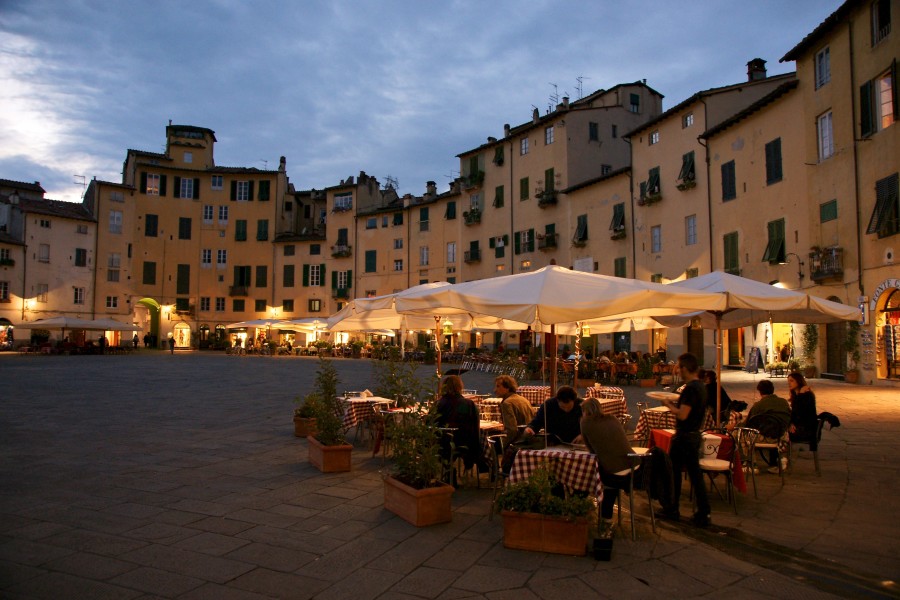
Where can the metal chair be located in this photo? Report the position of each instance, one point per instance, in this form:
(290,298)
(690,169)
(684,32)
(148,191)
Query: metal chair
(638,461)
(745,438)
(771,433)
(712,466)
(813,444)
(498,477)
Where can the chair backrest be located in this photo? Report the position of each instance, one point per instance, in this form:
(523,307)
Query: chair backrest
(746,440)
(768,425)
(496,443)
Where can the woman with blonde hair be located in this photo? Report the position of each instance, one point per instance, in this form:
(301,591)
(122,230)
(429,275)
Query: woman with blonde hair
(604,436)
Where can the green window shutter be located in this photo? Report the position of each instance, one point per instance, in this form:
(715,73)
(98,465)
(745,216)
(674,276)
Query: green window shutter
(196,188)
(473,166)
(498,196)
(498,155)
(517,242)
(288,276)
(499,251)
(262,276)
(349,278)
(183,279)
(729,185)
(250,191)
(653,181)
(618,219)
(237,276)
(550,229)
(143,182)
(549,180)
(884,219)
(894,85)
(322,275)
(687,167)
(451,210)
(619,269)
(530,240)
(240,230)
(263,191)
(371,261)
(643,188)
(262,230)
(234,190)
(398,218)
(492,242)
(334,280)
(176,193)
(305,275)
(149,277)
(773,161)
(423,214)
(732,262)
(867,109)
(581,230)
(523,188)
(828,211)
(162,185)
(775,246)
(635,100)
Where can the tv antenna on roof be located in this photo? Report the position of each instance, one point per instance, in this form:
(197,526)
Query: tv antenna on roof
(554,97)
(391,183)
(83,181)
(265,164)
(579,87)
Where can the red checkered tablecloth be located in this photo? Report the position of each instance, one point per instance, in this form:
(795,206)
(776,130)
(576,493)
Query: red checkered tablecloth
(535,394)
(575,469)
(360,409)
(661,417)
(606,391)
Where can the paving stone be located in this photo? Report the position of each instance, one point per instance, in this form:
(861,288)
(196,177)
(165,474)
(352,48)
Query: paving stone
(53,586)
(211,543)
(222,525)
(91,566)
(272,557)
(426,582)
(192,564)
(155,581)
(30,553)
(214,591)
(95,542)
(279,585)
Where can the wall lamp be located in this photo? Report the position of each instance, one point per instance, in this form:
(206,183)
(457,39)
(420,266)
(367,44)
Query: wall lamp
(799,266)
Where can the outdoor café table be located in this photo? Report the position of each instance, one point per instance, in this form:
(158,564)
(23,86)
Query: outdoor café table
(605,391)
(535,394)
(359,409)
(662,438)
(661,417)
(575,469)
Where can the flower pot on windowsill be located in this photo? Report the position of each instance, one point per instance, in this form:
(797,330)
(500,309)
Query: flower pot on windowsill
(329,459)
(419,507)
(543,533)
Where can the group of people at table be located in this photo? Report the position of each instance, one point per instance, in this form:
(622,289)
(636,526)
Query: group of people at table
(567,419)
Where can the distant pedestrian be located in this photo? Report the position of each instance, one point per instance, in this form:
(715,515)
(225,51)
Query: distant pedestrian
(101,341)
(146,340)
(134,341)
(171,344)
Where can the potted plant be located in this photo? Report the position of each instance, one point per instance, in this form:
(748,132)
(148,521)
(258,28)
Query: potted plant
(645,375)
(851,347)
(536,519)
(304,415)
(413,490)
(356,347)
(809,342)
(328,450)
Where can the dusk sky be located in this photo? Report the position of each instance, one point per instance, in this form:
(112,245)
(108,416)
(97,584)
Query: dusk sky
(392,88)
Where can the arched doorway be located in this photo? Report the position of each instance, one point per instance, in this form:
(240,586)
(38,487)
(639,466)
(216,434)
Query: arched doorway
(147,312)
(203,334)
(182,333)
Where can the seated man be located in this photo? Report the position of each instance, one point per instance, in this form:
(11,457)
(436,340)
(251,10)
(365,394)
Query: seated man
(771,430)
(514,409)
(560,417)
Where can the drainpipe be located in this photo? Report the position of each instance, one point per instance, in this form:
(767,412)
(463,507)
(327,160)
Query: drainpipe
(853,103)
(709,193)
(631,198)
(512,211)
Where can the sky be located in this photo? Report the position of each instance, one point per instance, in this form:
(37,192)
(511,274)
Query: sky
(392,87)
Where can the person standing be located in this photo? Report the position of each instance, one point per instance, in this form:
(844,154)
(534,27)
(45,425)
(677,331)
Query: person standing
(690,412)
(171,344)
(134,341)
(514,409)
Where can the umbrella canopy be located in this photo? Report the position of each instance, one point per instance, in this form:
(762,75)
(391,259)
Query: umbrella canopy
(256,323)
(112,325)
(748,302)
(61,322)
(554,294)
(304,325)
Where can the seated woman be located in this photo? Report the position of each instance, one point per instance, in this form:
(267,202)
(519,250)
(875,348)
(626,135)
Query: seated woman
(709,378)
(604,436)
(804,418)
(456,411)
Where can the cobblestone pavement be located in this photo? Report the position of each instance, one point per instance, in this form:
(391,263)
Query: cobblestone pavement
(178,476)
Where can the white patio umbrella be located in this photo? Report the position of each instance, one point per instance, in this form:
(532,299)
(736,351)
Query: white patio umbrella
(554,295)
(112,325)
(748,302)
(60,322)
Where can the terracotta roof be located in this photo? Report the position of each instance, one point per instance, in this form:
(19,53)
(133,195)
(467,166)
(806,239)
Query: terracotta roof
(145,153)
(824,27)
(54,208)
(781,90)
(34,187)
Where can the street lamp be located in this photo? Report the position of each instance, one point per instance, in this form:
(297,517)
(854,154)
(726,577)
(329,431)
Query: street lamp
(799,264)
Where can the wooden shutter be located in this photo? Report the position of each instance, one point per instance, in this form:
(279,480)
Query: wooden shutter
(143,182)
(517,242)
(349,278)
(263,190)
(866,109)
(176,193)
(530,240)
(162,185)
(196,188)
(305,275)
(334,282)
(249,191)
(322,275)
(234,190)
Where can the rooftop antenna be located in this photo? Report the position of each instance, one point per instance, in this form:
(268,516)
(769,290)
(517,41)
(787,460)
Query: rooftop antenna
(452,175)
(83,182)
(391,183)
(265,164)
(554,97)
(579,87)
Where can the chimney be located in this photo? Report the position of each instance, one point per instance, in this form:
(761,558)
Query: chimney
(491,139)
(756,70)
(506,130)
(430,189)
(535,116)
(282,164)
(565,102)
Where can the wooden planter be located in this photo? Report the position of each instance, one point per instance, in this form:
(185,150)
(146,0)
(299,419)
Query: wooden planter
(851,376)
(304,426)
(810,372)
(329,459)
(542,533)
(647,383)
(428,506)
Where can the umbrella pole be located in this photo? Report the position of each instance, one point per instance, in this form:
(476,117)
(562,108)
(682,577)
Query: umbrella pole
(437,348)
(552,347)
(718,368)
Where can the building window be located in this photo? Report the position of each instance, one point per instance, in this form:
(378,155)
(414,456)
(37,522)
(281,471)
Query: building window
(687,120)
(116,197)
(451,252)
(149,275)
(885,219)
(45,223)
(82,229)
(315,305)
(450,212)
(263,194)
(398,243)
(593,132)
(548,135)
(823,67)
(617,225)
(240,230)
(151,225)
(690,230)
(188,157)
(398,264)
(287,306)
(423,219)
(115,221)
(371,261)
(237,305)
(828,211)
(523,189)
(881,20)
(384,221)
(688,173)
(581,230)
(206,257)
(112,302)
(372,223)
(654,137)
(152,187)
(729,185)
(313,275)
(220,304)
(216,182)
(656,238)
(223,215)
(635,104)
(80,257)
(262,230)
(78,295)
(826,136)
(619,267)
(614,131)
(524,266)
(259,305)
(343,202)
(523,241)
(290,250)
(288,276)
(315,249)
(773,161)
(423,256)
(398,219)
(241,190)
(498,197)
(184,228)
(204,303)
(221,258)
(208,212)
(523,146)
(732,258)
(774,253)
(44,253)
(262,276)
(605,169)
(186,189)
(43,290)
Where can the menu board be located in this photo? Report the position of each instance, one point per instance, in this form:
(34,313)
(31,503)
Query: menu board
(753,360)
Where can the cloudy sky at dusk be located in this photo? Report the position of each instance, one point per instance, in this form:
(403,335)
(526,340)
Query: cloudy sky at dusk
(388,87)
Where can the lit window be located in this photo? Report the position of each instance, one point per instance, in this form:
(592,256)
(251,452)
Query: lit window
(152,188)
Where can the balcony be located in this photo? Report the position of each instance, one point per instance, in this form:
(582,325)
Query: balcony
(472,256)
(617,234)
(7,262)
(473,181)
(185,312)
(472,217)
(826,263)
(340,251)
(239,290)
(548,241)
(686,184)
(340,293)
(651,198)
(547,198)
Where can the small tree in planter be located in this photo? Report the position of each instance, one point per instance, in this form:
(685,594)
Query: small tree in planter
(328,450)
(645,373)
(851,347)
(536,519)
(397,380)
(809,342)
(304,415)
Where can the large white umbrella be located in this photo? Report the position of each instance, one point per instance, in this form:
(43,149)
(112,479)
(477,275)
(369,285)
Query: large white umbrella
(60,322)
(108,324)
(255,323)
(748,302)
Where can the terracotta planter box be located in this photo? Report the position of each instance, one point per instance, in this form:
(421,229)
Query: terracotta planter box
(424,507)
(329,459)
(304,426)
(851,376)
(646,383)
(542,533)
